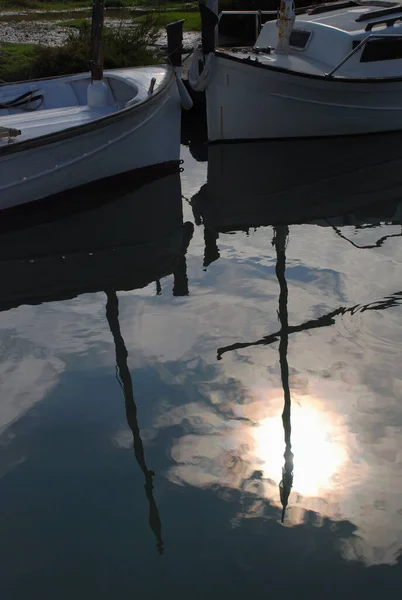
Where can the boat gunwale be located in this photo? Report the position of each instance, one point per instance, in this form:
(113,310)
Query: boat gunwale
(72,132)
(333,79)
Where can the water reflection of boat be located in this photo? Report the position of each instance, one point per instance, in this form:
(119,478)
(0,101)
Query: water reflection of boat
(313,433)
(247,189)
(119,245)
(284,182)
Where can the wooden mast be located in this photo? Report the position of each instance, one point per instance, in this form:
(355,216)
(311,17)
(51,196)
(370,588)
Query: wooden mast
(98,9)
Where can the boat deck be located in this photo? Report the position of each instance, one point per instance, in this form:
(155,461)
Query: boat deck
(37,124)
(358,42)
(291,62)
(63,101)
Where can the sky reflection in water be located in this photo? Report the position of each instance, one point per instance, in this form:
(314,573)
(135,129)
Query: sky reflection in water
(207,425)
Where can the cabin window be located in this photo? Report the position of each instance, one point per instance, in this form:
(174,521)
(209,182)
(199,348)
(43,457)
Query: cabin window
(299,38)
(387,49)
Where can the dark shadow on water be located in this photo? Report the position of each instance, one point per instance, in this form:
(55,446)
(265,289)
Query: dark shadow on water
(132,237)
(194,133)
(255,184)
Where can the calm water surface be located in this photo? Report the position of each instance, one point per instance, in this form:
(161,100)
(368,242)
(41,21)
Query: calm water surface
(202,397)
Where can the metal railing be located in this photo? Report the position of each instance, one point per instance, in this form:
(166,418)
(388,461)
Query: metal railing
(372,36)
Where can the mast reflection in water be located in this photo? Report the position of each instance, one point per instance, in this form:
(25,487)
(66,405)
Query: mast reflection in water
(259,431)
(124,378)
(285,486)
(125,244)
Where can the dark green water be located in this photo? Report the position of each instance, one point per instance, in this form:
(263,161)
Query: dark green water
(272,289)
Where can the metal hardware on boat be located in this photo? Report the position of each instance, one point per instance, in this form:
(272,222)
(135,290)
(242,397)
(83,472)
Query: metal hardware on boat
(258,50)
(382,22)
(9,132)
(152,85)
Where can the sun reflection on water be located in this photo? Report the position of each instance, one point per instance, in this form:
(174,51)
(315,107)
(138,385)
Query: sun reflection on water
(319,449)
(338,478)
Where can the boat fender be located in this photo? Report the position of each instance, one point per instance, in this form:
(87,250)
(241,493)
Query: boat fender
(199,81)
(185,98)
(98,94)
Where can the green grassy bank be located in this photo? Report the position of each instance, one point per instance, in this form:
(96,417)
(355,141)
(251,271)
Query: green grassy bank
(124,47)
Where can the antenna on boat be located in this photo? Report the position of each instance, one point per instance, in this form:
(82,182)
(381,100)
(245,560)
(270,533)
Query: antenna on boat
(124,376)
(285,486)
(285,22)
(97,94)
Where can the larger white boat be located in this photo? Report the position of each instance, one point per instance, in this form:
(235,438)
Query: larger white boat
(60,133)
(335,69)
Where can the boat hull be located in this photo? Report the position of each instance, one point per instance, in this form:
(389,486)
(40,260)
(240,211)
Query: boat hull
(144,135)
(246,100)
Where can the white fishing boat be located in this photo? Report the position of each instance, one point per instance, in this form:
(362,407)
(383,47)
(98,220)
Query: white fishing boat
(334,69)
(60,133)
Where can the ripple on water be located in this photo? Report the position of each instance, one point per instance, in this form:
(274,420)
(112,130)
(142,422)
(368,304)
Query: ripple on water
(370,326)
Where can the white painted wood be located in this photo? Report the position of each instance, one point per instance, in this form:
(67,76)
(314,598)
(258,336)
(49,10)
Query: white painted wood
(145,133)
(264,94)
(328,45)
(245,102)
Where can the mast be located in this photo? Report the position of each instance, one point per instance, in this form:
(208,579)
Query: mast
(285,22)
(97,40)
(98,91)
(285,486)
(112,314)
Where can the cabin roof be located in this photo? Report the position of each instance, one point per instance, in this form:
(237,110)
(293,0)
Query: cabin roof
(355,18)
